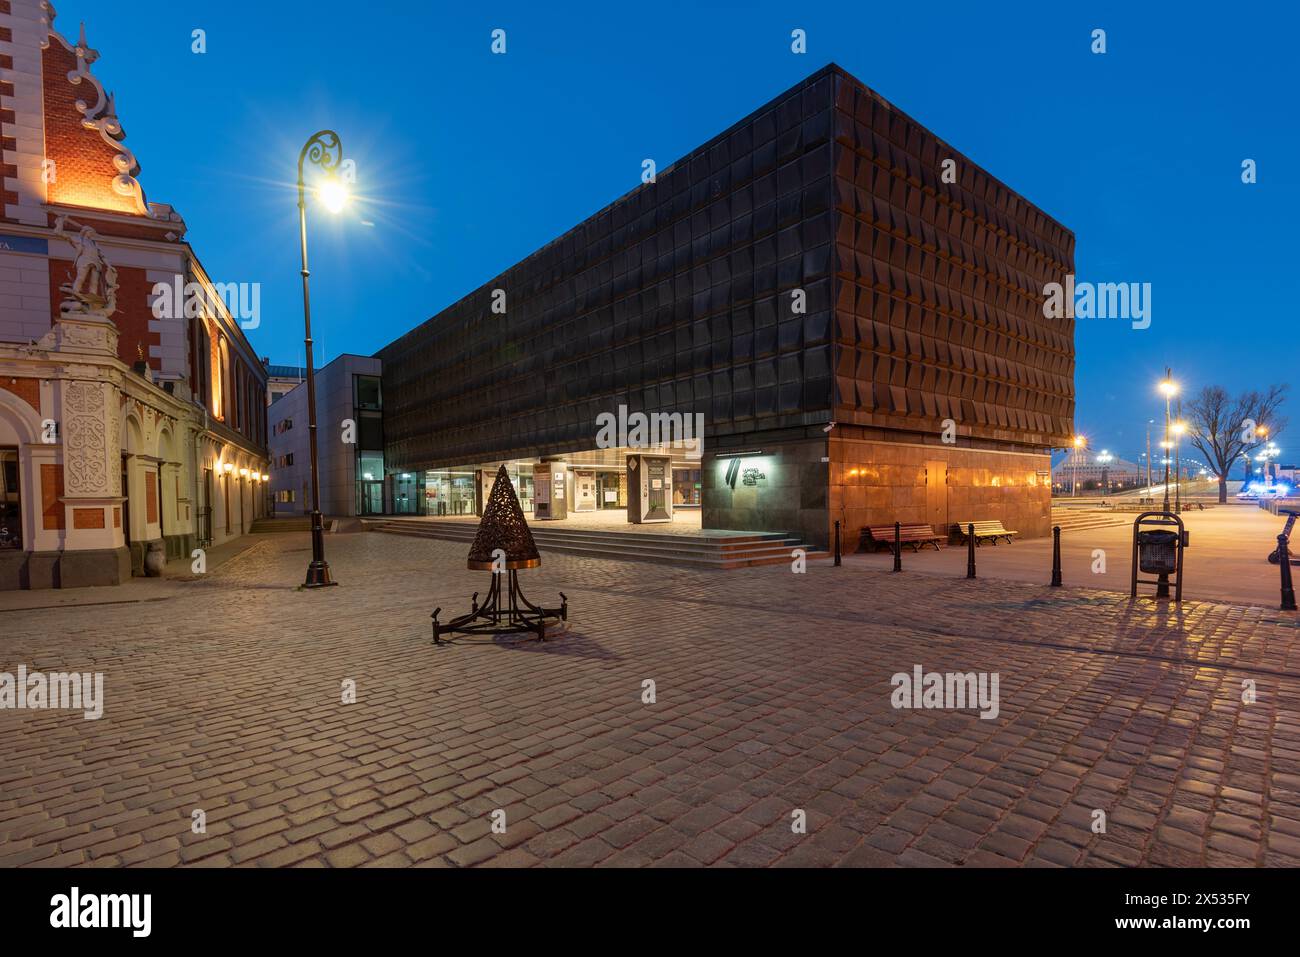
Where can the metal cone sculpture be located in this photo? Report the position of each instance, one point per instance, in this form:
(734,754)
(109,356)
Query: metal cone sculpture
(502,546)
(503,530)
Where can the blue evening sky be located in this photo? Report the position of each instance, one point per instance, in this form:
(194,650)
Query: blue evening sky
(469,161)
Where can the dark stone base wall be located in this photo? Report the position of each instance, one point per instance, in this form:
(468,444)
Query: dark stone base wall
(882,482)
(792,497)
(180,546)
(80,569)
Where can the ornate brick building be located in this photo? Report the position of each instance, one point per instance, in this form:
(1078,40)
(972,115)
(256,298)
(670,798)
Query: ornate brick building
(132,421)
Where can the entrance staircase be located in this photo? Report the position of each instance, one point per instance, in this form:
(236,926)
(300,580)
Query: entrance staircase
(261,526)
(1073,519)
(708,549)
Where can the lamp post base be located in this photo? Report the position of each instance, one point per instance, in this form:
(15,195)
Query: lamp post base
(318,572)
(318,575)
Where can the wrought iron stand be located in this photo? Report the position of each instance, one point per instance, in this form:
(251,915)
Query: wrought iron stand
(495,618)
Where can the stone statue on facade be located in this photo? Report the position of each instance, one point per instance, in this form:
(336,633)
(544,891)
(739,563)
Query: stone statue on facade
(93,290)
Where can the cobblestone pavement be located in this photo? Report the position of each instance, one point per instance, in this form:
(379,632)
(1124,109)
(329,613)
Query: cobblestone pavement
(772,696)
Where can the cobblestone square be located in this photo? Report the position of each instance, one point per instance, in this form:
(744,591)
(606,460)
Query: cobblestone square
(772,696)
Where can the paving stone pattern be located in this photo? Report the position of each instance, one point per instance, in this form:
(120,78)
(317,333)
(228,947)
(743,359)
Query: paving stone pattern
(772,695)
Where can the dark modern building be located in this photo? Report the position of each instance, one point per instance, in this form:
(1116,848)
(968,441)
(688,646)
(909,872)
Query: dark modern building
(810,265)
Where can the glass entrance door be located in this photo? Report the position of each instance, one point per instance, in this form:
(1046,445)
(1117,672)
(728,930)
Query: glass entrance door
(371,495)
(406,494)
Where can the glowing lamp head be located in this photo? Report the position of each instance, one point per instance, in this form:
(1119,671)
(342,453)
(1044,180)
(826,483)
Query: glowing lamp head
(243,473)
(265,477)
(1168,387)
(333,193)
(1080,441)
(228,468)
(1180,428)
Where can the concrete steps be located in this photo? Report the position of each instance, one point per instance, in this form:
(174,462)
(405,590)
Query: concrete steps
(1076,519)
(702,551)
(263,525)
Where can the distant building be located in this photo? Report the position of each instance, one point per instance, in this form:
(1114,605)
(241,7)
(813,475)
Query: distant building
(281,380)
(1090,473)
(349,443)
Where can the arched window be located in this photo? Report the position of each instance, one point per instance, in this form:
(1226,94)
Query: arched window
(219,388)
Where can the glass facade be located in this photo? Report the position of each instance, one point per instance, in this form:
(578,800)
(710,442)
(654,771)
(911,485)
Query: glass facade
(611,489)
(448,492)
(688,488)
(408,488)
(677,298)
(367,411)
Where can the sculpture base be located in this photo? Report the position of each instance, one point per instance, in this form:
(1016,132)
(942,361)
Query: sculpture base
(497,617)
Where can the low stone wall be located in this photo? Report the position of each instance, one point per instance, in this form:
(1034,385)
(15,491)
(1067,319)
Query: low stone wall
(73,569)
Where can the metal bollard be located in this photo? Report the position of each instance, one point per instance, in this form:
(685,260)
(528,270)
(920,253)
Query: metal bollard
(1056,556)
(970,551)
(837,543)
(1284,560)
(898,548)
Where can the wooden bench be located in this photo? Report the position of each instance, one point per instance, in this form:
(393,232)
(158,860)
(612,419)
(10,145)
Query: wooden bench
(986,532)
(918,536)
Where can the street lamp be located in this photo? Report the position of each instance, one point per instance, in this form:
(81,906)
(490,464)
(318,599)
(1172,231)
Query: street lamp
(325,151)
(1079,443)
(1179,429)
(1168,388)
(1150,422)
(1105,458)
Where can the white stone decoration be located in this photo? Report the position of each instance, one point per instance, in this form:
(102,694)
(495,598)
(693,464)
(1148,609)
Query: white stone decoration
(93,291)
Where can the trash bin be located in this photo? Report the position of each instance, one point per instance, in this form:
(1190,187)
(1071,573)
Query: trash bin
(1158,552)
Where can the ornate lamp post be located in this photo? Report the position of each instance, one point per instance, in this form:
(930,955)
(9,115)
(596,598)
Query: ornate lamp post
(325,151)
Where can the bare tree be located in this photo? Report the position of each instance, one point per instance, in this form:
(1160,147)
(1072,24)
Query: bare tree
(1223,429)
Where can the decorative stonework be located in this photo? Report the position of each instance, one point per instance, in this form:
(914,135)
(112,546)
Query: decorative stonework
(84,440)
(80,334)
(114,442)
